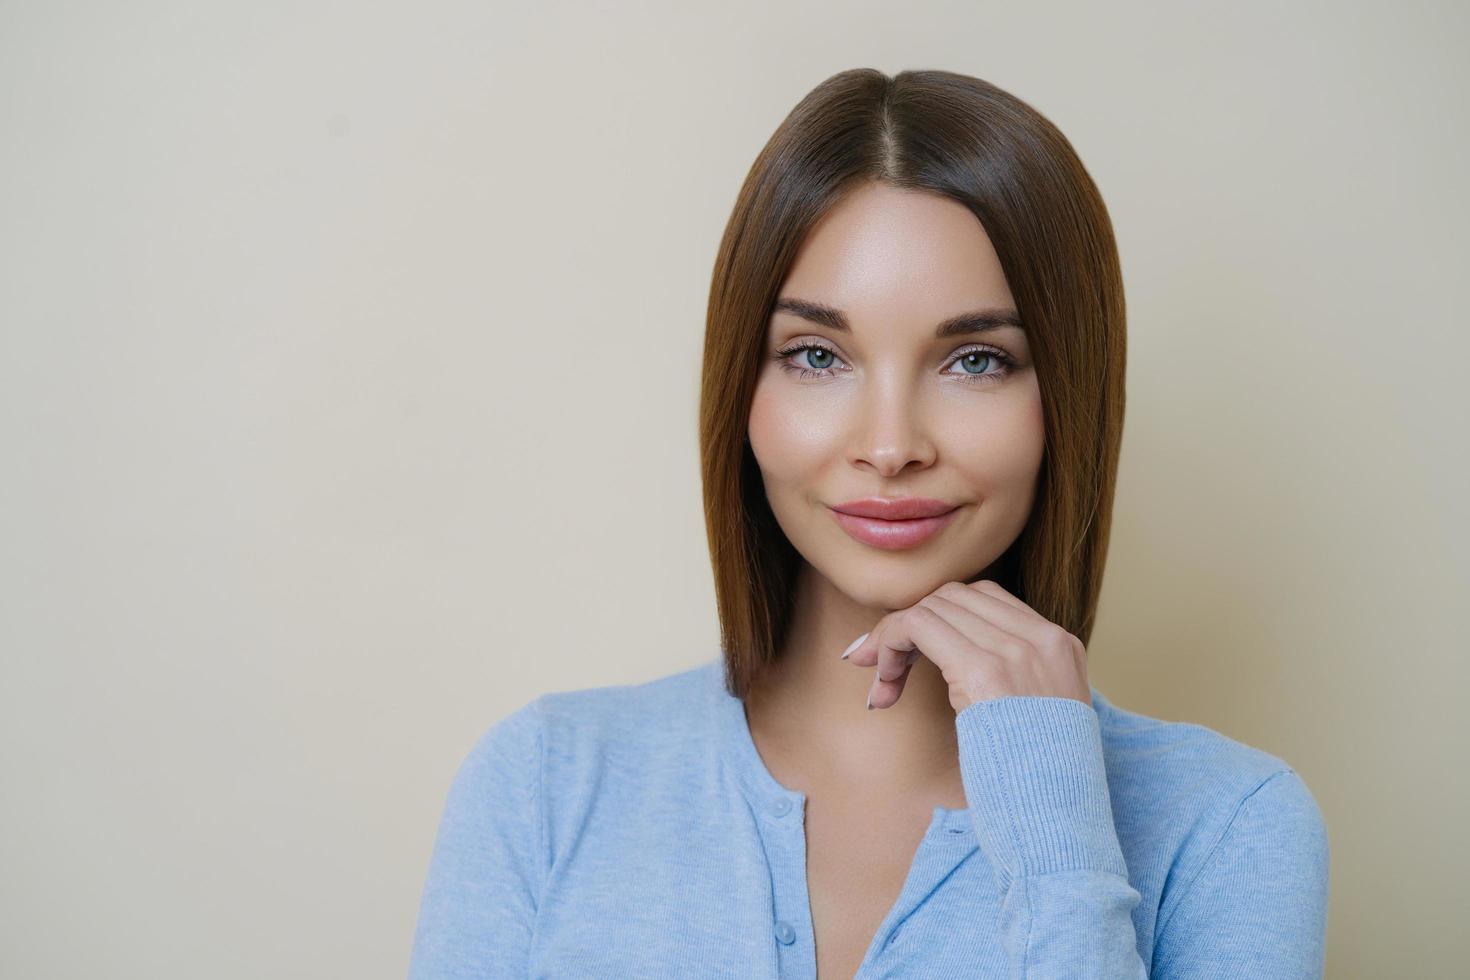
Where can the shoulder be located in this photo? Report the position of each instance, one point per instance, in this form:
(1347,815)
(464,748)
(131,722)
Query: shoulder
(567,732)
(1194,796)
(675,695)
(589,757)
(639,716)
(1170,762)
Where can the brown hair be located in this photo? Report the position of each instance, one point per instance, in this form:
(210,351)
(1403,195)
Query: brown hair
(976,144)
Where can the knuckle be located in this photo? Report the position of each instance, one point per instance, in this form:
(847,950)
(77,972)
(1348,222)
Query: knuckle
(1016,649)
(953,591)
(926,614)
(932,604)
(1060,641)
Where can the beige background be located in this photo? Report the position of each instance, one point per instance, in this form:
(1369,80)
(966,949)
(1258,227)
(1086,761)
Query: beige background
(347,392)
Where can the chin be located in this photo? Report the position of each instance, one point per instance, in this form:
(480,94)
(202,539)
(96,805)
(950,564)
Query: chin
(897,580)
(888,589)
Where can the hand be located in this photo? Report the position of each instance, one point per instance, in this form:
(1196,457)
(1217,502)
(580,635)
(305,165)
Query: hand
(987,643)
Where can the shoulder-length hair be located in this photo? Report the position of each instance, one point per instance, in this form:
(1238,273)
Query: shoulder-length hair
(974,143)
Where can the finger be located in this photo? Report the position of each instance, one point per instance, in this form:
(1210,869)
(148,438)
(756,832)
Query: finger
(1036,633)
(865,654)
(980,626)
(894,688)
(894,648)
(1015,619)
(991,587)
(919,628)
(892,663)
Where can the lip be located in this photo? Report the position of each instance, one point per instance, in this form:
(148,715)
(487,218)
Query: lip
(895,508)
(894,524)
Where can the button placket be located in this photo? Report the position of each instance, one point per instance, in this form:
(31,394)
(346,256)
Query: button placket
(786,844)
(942,848)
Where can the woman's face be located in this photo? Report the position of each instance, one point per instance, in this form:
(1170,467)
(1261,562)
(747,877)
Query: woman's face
(885,408)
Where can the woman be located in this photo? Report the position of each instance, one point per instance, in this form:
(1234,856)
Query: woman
(913,391)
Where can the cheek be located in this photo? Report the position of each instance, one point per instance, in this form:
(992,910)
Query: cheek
(1001,451)
(787,436)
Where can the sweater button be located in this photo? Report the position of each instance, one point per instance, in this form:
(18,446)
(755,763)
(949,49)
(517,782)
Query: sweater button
(781,807)
(785,933)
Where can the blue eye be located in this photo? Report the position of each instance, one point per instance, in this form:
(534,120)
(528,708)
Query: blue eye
(982,358)
(819,357)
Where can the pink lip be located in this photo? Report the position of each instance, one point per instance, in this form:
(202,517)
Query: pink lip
(895,508)
(894,524)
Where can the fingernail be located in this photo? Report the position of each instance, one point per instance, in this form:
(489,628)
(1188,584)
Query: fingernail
(870,700)
(855,644)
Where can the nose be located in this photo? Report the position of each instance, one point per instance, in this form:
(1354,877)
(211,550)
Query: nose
(889,430)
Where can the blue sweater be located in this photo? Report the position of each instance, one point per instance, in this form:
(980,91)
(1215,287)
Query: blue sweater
(634,832)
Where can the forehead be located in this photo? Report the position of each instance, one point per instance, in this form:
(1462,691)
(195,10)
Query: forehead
(900,257)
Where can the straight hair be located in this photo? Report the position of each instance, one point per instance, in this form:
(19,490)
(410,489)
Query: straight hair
(971,142)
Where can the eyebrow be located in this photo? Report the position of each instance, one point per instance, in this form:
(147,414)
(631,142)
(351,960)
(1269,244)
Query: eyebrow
(975,321)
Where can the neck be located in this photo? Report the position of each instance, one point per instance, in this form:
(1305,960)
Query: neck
(809,712)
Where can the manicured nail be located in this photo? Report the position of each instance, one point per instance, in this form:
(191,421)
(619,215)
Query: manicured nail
(855,644)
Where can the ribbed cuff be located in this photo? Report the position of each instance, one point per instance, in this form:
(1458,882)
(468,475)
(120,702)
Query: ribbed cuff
(1037,787)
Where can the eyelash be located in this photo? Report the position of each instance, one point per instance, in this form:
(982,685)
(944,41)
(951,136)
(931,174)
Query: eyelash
(1008,363)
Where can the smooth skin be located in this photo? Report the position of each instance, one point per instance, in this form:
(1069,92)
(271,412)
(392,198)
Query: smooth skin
(888,409)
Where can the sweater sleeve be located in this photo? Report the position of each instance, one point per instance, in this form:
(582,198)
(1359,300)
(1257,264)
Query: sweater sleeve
(478,906)
(1038,793)
(1257,906)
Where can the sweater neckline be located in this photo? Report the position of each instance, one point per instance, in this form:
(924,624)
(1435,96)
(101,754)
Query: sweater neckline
(762,788)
